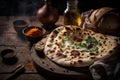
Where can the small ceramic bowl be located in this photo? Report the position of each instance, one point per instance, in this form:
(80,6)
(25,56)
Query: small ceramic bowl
(7,53)
(34,33)
(19,25)
(9,56)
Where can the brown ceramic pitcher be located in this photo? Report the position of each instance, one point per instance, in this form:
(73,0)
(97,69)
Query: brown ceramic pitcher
(47,14)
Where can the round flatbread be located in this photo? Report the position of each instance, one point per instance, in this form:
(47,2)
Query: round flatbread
(73,46)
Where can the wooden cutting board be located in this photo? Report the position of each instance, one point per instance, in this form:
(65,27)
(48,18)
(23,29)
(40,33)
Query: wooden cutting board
(55,71)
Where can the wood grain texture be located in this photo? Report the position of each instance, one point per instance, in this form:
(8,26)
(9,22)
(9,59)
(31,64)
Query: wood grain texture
(46,66)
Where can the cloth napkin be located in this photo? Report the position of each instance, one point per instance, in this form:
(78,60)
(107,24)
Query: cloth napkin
(107,69)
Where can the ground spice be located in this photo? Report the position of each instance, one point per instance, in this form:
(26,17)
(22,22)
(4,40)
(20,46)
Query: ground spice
(30,66)
(34,32)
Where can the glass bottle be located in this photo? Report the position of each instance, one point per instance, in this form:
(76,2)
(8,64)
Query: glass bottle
(72,14)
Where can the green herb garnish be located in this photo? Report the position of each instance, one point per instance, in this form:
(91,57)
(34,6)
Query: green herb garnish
(92,40)
(81,45)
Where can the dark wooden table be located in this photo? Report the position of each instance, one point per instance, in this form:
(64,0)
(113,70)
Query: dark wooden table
(9,38)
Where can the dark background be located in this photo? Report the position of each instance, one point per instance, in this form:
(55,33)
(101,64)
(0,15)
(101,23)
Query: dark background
(29,7)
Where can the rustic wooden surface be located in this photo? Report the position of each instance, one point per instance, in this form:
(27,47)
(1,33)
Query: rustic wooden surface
(46,66)
(9,38)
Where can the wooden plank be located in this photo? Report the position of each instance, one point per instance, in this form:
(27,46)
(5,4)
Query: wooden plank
(9,38)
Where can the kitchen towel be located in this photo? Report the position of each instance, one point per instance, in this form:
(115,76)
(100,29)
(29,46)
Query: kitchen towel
(107,69)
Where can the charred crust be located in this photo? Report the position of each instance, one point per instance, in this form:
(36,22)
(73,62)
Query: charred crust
(102,51)
(85,33)
(88,56)
(111,51)
(75,53)
(52,36)
(59,37)
(101,37)
(97,52)
(49,45)
(52,39)
(100,44)
(92,53)
(56,40)
(59,29)
(52,57)
(82,54)
(104,42)
(92,57)
(67,52)
(106,38)
(54,48)
(59,53)
(115,48)
(55,32)
(57,44)
(80,61)
(78,28)
(64,56)
(92,33)
(52,51)
(67,28)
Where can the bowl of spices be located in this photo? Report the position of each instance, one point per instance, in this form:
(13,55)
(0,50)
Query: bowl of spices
(9,56)
(34,33)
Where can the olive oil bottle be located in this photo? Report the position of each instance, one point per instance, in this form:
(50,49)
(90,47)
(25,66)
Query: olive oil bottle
(72,14)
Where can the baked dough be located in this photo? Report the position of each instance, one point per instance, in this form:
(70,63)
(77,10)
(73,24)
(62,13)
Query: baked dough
(73,46)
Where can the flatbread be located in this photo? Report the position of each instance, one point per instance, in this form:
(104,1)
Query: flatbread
(73,46)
